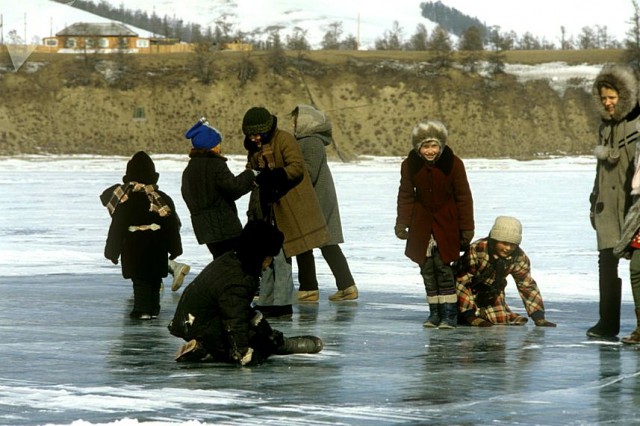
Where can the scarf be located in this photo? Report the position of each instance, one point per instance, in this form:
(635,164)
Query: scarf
(121,195)
(265,157)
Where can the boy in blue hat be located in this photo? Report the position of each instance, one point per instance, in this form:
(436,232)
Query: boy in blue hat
(210,190)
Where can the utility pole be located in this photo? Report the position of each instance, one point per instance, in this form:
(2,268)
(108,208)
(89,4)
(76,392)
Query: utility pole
(358,38)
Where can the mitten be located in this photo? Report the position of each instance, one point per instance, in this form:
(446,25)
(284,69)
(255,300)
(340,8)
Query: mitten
(478,322)
(466,237)
(401,231)
(544,323)
(263,178)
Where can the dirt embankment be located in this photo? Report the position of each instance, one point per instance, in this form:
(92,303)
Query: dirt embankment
(67,104)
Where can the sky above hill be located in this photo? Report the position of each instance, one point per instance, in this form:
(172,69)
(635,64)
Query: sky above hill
(543,18)
(34,19)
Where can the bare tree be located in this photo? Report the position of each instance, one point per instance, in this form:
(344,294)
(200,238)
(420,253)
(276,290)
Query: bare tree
(587,39)
(392,39)
(277,60)
(632,43)
(419,39)
(298,40)
(331,39)
(440,44)
(471,47)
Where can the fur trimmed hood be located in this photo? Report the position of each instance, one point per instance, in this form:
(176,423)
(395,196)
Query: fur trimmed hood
(625,81)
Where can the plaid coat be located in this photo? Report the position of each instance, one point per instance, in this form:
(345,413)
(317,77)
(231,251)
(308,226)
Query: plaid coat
(476,274)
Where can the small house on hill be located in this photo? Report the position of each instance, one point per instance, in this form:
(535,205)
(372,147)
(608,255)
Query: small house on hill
(97,37)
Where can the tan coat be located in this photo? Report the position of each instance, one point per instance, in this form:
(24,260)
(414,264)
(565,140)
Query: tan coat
(298,213)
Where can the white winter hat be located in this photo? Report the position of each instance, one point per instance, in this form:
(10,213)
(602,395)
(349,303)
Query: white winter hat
(507,229)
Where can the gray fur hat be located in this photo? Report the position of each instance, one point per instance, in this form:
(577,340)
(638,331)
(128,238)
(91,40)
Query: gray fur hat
(427,131)
(623,79)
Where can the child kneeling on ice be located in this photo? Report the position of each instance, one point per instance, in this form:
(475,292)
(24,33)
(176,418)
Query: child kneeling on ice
(482,273)
(215,316)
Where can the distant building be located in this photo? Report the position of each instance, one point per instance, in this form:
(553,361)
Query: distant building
(96,37)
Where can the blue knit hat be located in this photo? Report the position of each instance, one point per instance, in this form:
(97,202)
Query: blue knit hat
(203,135)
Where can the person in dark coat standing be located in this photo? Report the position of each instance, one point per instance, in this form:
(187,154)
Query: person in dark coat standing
(435,216)
(210,190)
(215,316)
(312,129)
(144,231)
(615,93)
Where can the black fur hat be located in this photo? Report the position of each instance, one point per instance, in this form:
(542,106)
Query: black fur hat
(257,241)
(141,169)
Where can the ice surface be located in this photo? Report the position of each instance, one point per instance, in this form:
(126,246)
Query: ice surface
(70,355)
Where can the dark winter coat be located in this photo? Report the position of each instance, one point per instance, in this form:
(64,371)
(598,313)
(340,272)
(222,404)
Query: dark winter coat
(617,137)
(297,213)
(210,190)
(143,253)
(434,199)
(215,308)
(313,131)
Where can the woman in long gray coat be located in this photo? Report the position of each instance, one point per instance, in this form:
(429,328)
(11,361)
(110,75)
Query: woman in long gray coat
(615,93)
(312,129)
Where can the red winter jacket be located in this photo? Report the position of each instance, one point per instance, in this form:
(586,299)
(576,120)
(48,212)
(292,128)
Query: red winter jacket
(434,199)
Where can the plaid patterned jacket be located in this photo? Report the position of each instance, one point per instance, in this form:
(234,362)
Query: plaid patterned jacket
(476,263)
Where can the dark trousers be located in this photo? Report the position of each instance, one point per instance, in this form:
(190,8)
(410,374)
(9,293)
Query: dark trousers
(334,257)
(146,296)
(437,276)
(610,287)
(263,339)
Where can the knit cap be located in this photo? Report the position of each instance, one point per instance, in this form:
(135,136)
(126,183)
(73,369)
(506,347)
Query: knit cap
(428,131)
(140,168)
(257,120)
(507,229)
(203,135)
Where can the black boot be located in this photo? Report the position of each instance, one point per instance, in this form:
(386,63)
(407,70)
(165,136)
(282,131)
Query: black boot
(608,326)
(434,316)
(449,315)
(300,345)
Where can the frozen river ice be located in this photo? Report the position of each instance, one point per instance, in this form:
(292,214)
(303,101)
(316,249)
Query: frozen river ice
(70,354)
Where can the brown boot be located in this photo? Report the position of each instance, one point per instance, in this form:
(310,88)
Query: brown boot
(634,338)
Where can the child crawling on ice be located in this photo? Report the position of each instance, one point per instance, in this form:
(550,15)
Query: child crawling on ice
(482,278)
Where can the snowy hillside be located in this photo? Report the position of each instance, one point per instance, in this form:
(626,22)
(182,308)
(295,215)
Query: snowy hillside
(33,20)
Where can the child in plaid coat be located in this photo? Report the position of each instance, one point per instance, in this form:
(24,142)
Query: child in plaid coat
(481,279)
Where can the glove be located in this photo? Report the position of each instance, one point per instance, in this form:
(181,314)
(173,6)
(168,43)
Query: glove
(466,237)
(478,322)
(401,231)
(544,323)
(273,184)
(246,359)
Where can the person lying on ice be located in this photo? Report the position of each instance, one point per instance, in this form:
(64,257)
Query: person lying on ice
(481,279)
(215,316)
